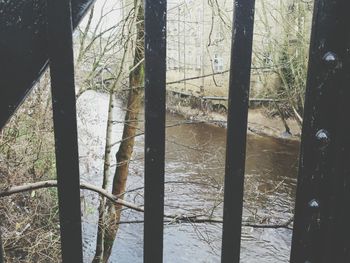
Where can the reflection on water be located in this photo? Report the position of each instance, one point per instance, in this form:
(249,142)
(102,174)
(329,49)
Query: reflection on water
(194,178)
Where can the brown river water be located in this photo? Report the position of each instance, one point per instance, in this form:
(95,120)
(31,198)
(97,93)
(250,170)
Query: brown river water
(195,156)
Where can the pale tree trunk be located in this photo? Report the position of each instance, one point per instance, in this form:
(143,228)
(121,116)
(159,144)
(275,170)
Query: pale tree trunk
(109,213)
(106,171)
(102,224)
(126,147)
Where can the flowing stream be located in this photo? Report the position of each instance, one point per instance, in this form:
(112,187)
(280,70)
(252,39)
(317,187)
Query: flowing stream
(195,156)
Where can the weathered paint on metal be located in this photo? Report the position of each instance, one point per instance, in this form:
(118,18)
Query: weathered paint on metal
(241,55)
(155,76)
(321,228)
(61,60)
(23,48)
(322,213)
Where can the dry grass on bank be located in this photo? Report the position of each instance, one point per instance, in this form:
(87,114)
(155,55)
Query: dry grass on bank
(29,221)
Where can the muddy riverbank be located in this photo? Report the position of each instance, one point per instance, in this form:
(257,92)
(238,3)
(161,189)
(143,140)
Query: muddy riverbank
(259,123)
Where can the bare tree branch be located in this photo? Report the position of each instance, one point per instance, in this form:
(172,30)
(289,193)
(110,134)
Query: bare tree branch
(53,183)
(176,219)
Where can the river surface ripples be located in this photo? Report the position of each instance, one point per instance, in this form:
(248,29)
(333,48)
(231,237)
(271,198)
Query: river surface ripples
(194,174)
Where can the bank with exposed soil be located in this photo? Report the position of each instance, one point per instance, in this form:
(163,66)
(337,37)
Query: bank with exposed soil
(259,123)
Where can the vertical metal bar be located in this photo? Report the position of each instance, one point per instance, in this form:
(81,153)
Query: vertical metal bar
(343,159)
(65,125)
(321,227)
(155,73)
(241,54)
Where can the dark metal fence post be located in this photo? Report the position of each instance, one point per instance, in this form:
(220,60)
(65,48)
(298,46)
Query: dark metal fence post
(322,213)
(64,116)
(155,72)
(241,54)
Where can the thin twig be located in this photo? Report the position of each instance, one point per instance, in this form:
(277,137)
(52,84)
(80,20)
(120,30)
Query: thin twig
(169,217)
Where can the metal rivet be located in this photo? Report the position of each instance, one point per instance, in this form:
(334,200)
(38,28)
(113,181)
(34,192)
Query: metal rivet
(331,59)
(323,138)
(313,204)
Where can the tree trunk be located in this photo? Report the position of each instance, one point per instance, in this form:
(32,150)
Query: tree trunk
(124,154)
(104,221)
(106,171)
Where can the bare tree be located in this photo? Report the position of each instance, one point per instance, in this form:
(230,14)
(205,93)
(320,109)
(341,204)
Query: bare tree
(109,215)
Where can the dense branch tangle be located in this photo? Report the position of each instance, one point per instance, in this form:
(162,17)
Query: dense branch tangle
(168,218)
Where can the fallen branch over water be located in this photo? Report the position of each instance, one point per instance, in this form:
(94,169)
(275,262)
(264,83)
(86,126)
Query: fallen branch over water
(53,183)
(169,218)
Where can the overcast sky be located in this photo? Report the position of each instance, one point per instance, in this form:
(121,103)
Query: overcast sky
(113,17)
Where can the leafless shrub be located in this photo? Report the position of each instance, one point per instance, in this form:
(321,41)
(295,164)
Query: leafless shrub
(29,222)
